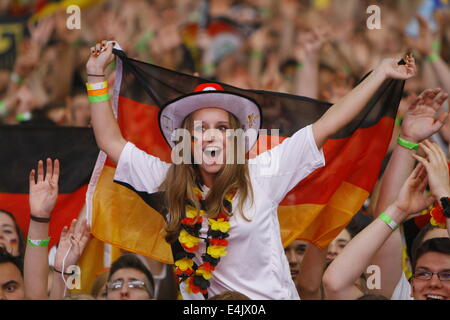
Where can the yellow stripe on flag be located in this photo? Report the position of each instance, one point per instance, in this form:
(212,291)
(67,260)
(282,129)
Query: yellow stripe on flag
(121,218)
(320,224)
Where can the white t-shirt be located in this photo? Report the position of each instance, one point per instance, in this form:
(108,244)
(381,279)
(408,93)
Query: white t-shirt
(402,290)
(255,264)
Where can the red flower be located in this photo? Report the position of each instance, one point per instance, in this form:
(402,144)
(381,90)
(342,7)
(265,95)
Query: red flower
(191,221)
(192,250)
(207,266)
(438,214)
(218,242)
(223,216)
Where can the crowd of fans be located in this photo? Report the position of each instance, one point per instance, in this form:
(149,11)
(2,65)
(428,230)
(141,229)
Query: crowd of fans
(312,48)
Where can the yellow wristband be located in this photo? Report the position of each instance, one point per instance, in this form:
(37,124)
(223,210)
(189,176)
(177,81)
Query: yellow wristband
(97,85)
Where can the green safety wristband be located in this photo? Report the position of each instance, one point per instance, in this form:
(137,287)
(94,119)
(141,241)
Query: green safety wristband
(407,144)
(16,78)
(398,122)
(437,46)
(433,57)
(256,54)
(25,116)
(388,220)
(100,98)
(3,110)
(38,243)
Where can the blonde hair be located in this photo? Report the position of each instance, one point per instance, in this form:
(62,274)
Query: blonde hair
(181,180)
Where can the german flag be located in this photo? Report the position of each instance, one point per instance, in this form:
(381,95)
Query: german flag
(22,146)
(317,209)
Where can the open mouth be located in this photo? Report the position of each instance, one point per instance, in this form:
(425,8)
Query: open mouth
(435,297)
(212,153)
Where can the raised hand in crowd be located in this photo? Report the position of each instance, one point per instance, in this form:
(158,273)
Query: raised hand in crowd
(423,117)
(42,199)
(71,245)
(358,254)
(436,165)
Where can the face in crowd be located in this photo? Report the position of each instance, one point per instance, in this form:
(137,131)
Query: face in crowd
(128,284)
(9,238)
(11,282)
(433,277)
(337,245)
(294,253)
(209,137)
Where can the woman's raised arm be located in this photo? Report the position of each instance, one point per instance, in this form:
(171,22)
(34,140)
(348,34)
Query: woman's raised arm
(106,130)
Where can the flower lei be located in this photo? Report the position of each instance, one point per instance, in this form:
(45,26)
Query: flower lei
(197,277)
(437,217)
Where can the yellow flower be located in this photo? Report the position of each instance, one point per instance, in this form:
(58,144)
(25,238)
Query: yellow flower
(206,274)
(217,251)
(437,224)
(191,212)
(188,240)
(229,197)
(198,193)
(184,264)
(219,224)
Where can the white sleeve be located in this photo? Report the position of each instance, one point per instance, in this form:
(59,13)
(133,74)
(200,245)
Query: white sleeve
(281,168)
(141,171)
(402,290)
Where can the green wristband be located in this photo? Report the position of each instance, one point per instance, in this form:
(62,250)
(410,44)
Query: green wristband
(25,116)
(433,57)
(256,54)
(38,243)
(388,220)
(437,46)
(407,144)
(3,110)
(100,98)
(398,122)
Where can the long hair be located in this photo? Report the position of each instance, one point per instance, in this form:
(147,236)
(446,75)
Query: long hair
(21,239)
(181,179)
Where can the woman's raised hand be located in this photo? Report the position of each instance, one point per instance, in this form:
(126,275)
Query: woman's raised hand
(101,57)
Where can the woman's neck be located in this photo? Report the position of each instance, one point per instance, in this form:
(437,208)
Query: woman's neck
(208,178)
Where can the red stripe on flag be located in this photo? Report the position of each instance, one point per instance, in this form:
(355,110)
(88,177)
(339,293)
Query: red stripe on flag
(68,207)
(365,159)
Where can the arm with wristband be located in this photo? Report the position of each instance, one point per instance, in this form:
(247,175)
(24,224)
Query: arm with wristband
(419,123)
(72,242)
(357,255)
(106,130)
(42,199)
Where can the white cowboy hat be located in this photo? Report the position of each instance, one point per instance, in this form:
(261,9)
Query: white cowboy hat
(211,95)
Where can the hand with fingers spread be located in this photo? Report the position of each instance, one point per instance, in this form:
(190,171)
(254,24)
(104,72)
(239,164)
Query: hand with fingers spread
(74,238)
(436,167)
(44,190)
(420,121)
(411,198)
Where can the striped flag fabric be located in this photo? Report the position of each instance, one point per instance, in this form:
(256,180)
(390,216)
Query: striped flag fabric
(316,210)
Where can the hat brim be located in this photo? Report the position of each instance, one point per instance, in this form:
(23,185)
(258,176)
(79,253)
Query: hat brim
(243,108)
